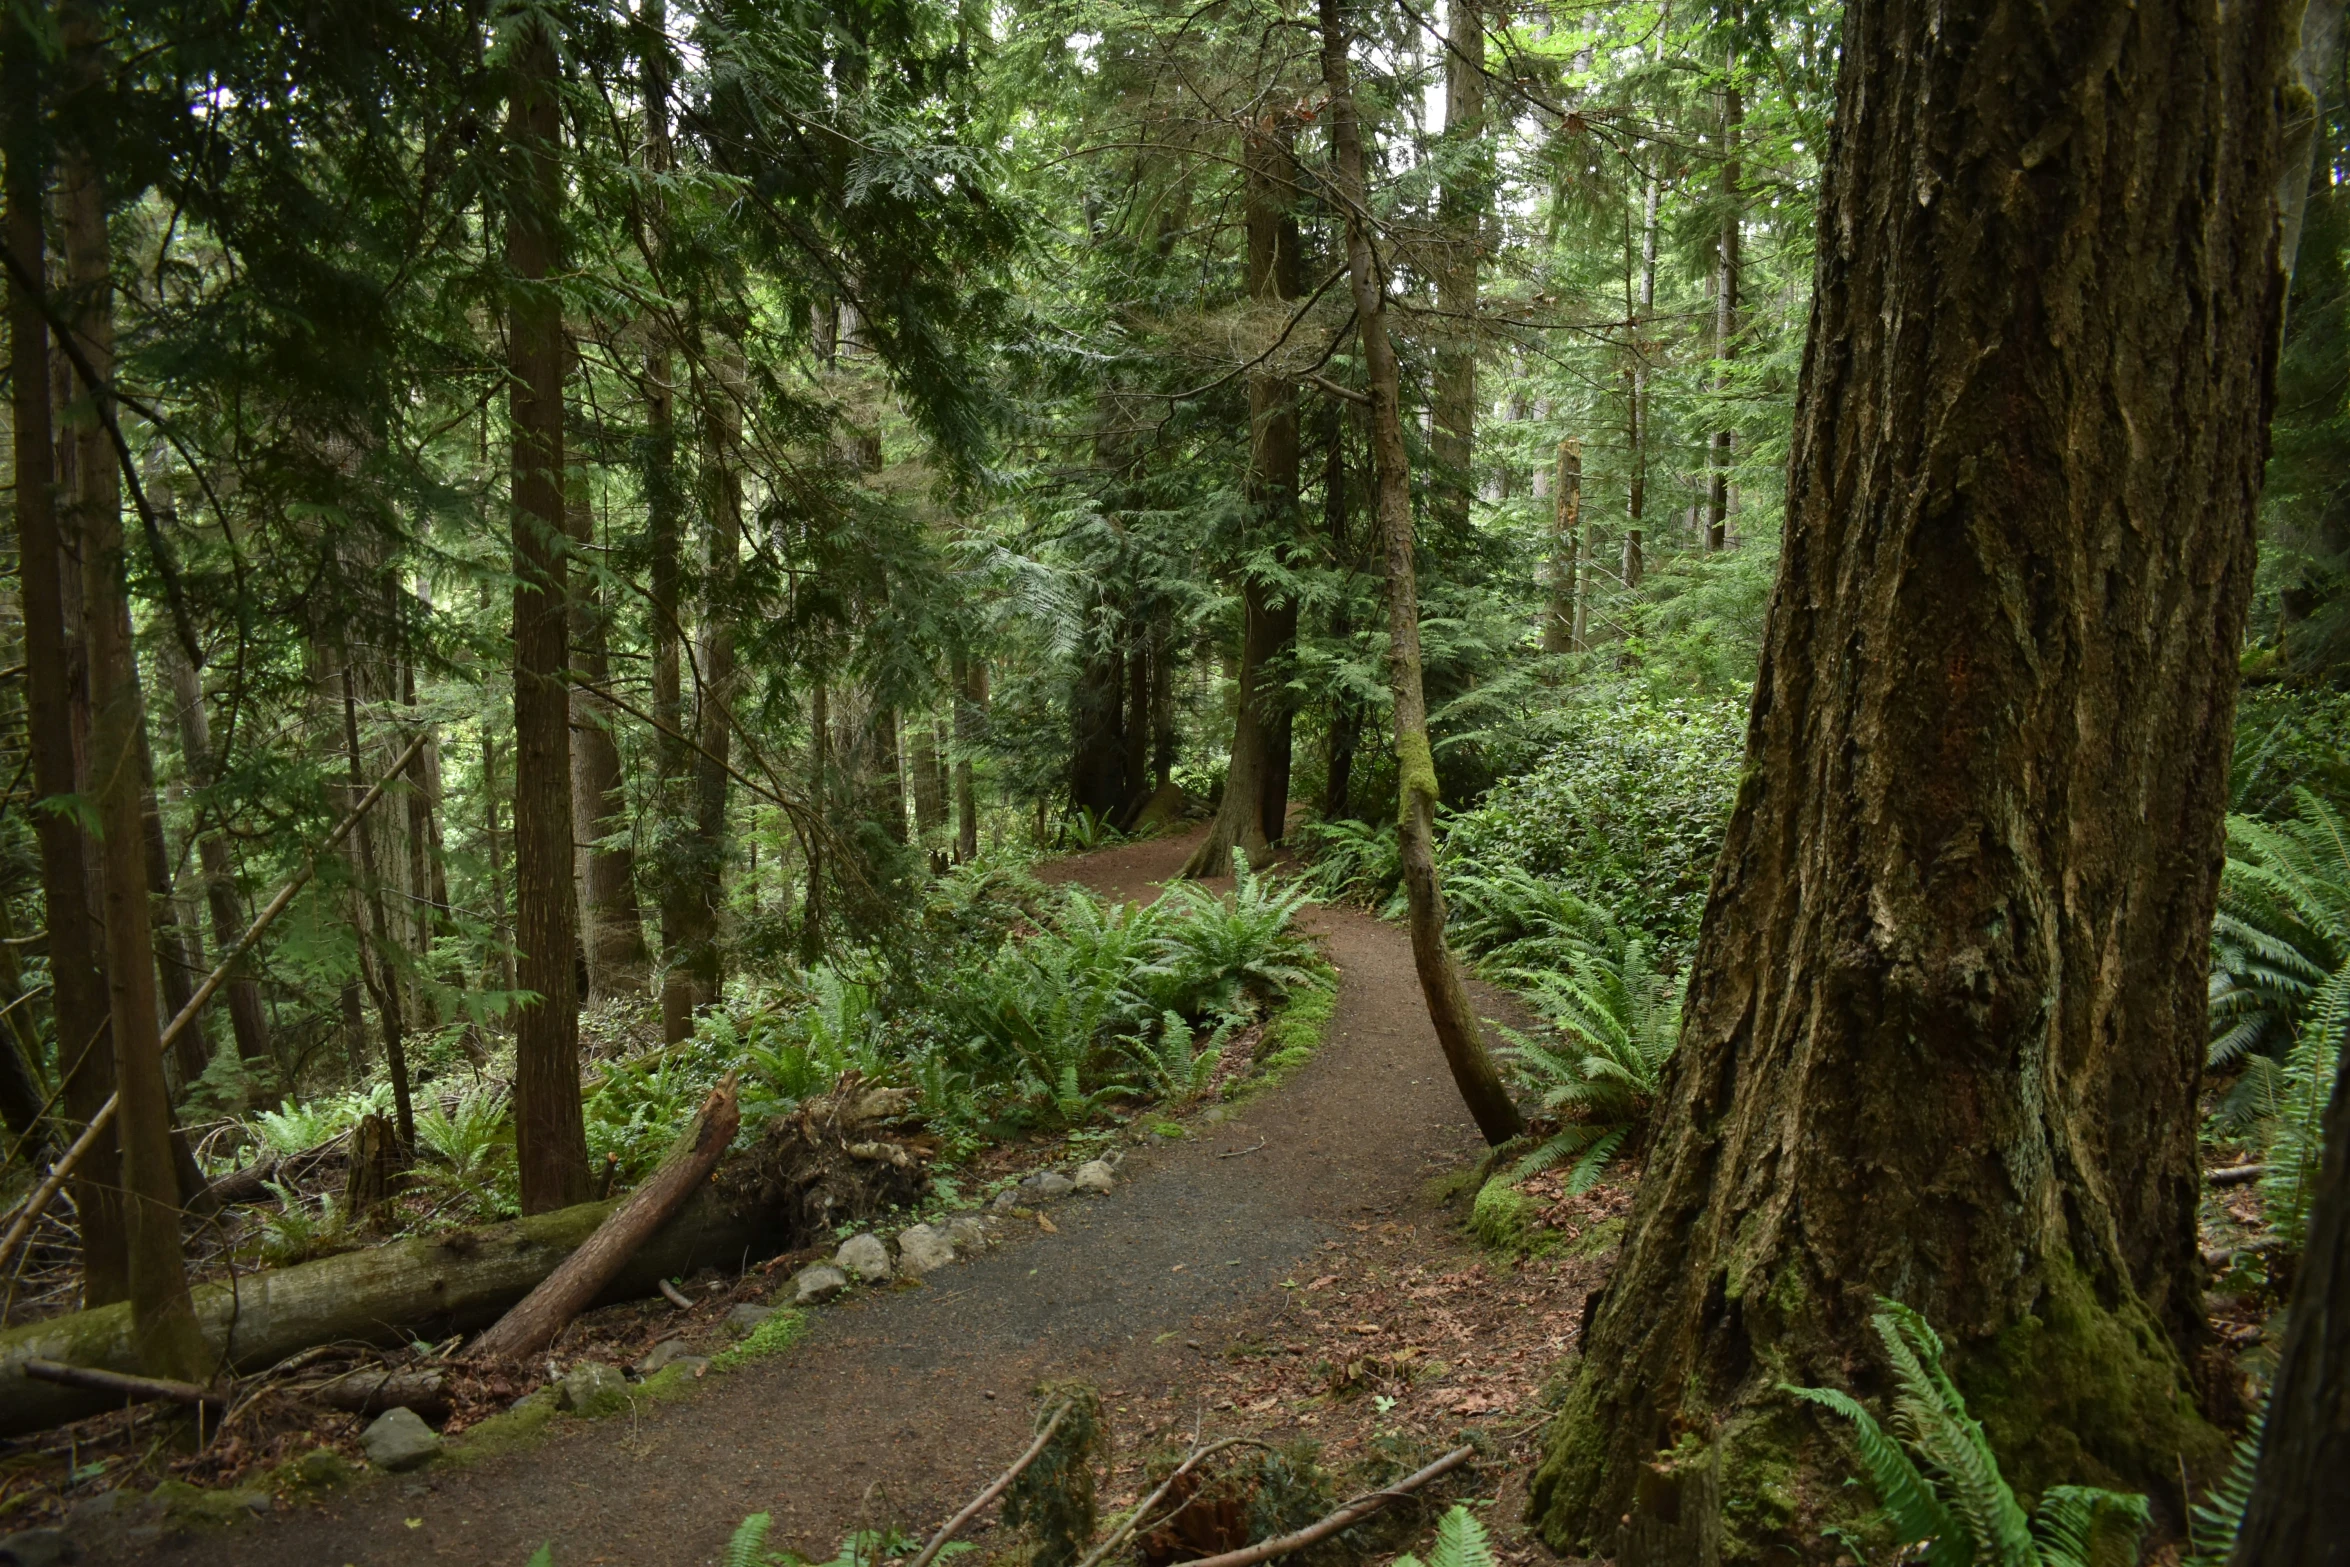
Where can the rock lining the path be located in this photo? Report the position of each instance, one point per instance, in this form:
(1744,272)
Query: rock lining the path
(863,1257)
(922,1249)
(817,1283)
(399,1440)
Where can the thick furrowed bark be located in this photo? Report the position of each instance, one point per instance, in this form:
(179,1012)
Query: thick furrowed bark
(1947,1015)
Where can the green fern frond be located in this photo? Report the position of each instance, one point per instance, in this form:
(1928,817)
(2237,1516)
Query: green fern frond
(1461,1541)
(2082,1526)
(748,1545)
(1909,1500)
(2214,1522)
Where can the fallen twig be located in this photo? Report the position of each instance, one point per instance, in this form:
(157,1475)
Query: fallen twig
(1346,1517)
(676,1296)
(145,1389)
(2235,1175)
(1142,1509)
(938,1541)
(1241,1153)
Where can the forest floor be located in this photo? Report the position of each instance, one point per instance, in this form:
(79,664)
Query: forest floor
(1288,1270)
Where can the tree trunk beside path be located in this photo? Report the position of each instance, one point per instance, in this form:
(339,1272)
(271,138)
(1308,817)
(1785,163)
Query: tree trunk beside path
(1457,1028)
(1946,1019)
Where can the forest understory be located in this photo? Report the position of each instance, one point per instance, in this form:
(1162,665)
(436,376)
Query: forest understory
(1167,784)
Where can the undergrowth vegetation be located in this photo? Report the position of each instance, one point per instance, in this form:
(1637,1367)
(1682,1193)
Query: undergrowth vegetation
(1007,1007)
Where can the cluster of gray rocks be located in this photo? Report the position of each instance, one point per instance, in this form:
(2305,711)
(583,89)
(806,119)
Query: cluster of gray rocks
(399,1440)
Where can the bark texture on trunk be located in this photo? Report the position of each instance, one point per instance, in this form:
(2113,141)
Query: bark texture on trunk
(163,1327)
(1946,1020)
(2299,1515)
(970,719)
(56,695)
(1562,630)
(1457,1028)
(613,929)
(1346,713)
(1643,307)
(550,1136)
(246,1015)
(1466,201)
(1260,729)
(1722,449)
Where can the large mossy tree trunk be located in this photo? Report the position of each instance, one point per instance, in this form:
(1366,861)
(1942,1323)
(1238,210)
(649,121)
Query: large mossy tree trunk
(1458,1031)
(550,1136)
(1946,1018)
(1249,817)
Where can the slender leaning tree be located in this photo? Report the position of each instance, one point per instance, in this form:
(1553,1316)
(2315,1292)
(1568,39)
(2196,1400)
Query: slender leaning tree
(1946,1019)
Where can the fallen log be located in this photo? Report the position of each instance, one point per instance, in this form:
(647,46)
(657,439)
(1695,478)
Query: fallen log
(377,1389)
(565,1293)
(794,1184)
(387,1294)
(116,1387)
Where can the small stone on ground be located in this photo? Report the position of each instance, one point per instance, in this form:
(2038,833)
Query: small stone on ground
(922,1249)
(817,1283)
(1095,1176)
(667,1352)
(1048,1183)
(863,1257)
(398,1440)
(592,1388)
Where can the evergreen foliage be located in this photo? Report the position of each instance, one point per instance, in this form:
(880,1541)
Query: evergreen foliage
(1958,1509)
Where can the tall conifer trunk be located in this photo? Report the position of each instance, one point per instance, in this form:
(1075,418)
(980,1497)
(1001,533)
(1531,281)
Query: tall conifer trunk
(694,973)
(1458,1031)
(618,963)
(550,1135)
(163,1320)
(1722,450)
(1260,730)
(970,715)
(246,1016)
(49,554)
(1467,199)
(1946,1019)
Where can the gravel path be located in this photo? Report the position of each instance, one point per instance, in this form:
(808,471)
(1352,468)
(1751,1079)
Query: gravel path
(899,1406)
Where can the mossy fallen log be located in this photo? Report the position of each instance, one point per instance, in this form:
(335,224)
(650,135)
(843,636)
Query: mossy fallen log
(387,1294)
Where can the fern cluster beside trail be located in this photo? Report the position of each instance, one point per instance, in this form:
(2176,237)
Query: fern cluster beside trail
(1008,1007)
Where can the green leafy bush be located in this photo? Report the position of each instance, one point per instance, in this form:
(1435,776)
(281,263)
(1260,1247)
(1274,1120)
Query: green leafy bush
(1626,813)
(466,1145)
(1959,1507)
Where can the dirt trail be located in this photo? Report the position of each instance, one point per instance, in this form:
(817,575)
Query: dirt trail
(899,1406)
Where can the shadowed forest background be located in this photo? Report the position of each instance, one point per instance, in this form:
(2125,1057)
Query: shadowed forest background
(568,561)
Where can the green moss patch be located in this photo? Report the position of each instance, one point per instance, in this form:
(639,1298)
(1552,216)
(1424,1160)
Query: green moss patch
(2081,1393)
(771,1337)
